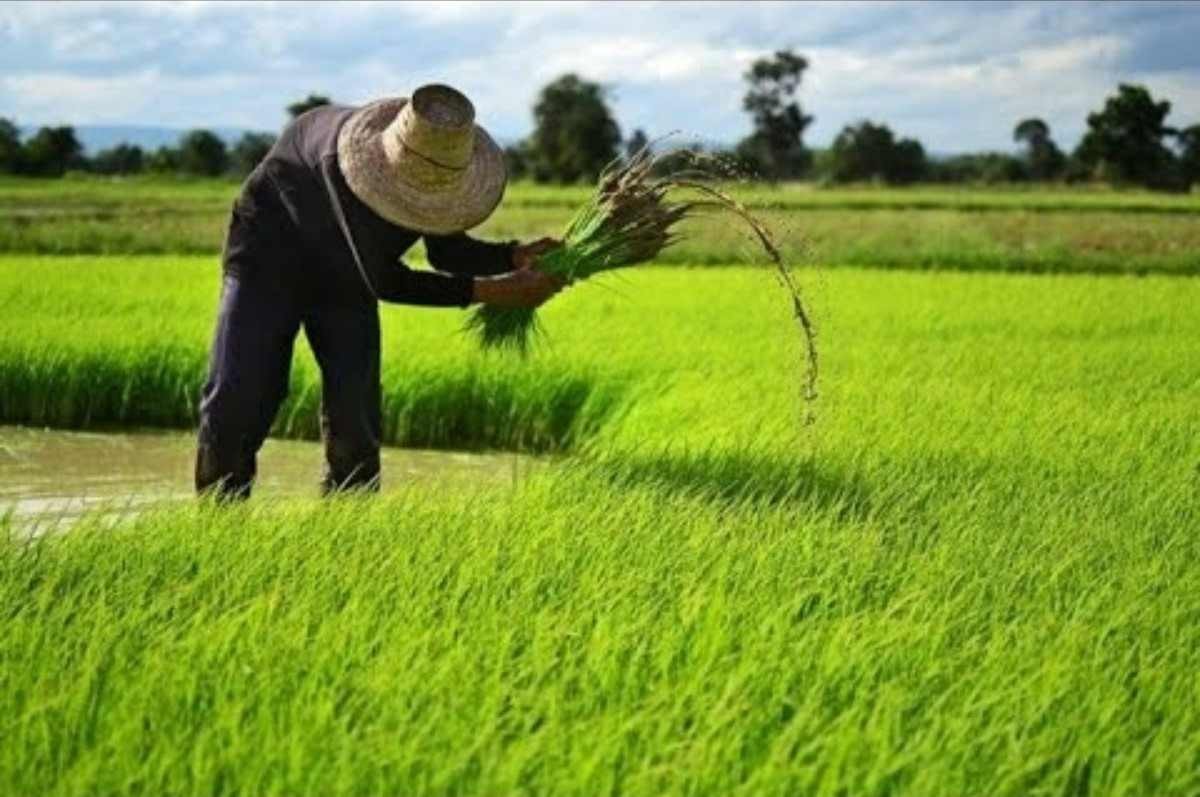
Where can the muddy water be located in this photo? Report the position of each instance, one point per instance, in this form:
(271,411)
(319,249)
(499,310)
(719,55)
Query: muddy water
(48,475)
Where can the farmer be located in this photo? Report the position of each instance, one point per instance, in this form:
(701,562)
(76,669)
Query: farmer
(315,241)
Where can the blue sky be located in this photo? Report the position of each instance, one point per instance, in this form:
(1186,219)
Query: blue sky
(955,75)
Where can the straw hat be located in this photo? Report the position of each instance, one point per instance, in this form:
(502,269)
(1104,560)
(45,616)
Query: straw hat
(423,164)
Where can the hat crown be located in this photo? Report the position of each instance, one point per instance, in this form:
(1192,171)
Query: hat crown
(444,106)
(438,125)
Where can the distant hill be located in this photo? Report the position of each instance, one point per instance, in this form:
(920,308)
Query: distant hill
(97,137)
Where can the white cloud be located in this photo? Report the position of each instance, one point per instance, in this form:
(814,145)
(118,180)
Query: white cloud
(65,97)
(956,75)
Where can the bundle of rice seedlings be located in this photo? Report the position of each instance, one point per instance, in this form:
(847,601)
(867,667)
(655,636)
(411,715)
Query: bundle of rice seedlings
(628,220)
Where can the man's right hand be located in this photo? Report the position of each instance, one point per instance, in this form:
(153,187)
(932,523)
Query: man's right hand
(525,288)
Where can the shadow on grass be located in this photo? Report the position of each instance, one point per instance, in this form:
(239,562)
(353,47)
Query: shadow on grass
(738,478)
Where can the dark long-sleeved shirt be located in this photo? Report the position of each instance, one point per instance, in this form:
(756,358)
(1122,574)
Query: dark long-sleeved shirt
(302,176)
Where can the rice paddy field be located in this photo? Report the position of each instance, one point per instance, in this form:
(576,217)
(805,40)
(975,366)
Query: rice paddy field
(975,572)
(1027,230)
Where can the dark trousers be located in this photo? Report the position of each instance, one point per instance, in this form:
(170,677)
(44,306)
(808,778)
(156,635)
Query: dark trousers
(264,303)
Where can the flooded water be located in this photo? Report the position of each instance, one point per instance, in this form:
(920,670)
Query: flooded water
(48,475)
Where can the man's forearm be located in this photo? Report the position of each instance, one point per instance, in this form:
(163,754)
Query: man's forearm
(461,254)
(403,285)
(523,288)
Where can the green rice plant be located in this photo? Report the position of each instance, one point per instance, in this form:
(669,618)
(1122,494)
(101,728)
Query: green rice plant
(95,342)
(977,574)
(628,220)
(937,229)
(82,192)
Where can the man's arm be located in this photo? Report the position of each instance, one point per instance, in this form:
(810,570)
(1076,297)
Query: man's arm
(522,288)
(516,285)
(459,253)
(399,284)
(502,271)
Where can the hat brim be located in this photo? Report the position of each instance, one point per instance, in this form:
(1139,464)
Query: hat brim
(461,205)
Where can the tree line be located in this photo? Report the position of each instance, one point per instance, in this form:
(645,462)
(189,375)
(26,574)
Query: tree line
(575,135)
(1127,141)
(54,151)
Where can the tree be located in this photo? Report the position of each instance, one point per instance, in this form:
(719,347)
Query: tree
(1189,154)
(909,163)
(978,167)
(121,159)
(776,147)
(249,151)
(10,147)
(163,160)
(575,135)
(52,151)
(868,151)
(516,161)
(307,104)
(1124,141)
(636,143)
(201,152)
(1043,159)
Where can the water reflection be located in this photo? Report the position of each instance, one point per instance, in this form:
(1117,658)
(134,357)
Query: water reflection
(49,474)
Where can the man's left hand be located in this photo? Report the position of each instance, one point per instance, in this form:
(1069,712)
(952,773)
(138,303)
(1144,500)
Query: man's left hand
(525,255)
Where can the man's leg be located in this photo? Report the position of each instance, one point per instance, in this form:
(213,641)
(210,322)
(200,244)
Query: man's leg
(248,378)
(345,340)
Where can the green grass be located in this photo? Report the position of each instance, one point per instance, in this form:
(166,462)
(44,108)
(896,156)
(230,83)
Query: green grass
(975,574)
(928,240)
(1046,230)
(96,342)
(83,191)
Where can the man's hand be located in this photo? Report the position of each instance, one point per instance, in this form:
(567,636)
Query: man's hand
(524,287)
(525,255)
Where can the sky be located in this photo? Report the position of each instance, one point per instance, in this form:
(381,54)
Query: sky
(957,76)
